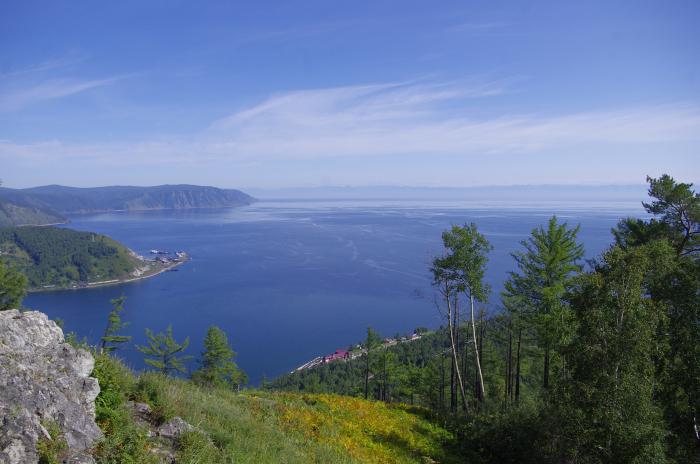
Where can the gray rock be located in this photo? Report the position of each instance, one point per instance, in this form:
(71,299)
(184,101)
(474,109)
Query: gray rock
(43,380)
(174,428)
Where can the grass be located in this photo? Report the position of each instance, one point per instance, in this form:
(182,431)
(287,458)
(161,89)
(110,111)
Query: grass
(51,449)
(262,427)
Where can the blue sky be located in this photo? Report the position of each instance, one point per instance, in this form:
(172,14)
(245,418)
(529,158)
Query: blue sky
(317,93)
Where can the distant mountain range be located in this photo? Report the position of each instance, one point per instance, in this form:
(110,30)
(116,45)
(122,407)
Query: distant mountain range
(506,193)
(49,204)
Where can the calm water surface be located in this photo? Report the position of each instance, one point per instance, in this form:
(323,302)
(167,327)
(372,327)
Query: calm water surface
(289,281)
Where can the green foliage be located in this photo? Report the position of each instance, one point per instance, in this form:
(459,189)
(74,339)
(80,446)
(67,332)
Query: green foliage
(218,367)
(51,449)
(514,436)
(52,256)
(632,232)
(465,262)
(535,293)
(124,441)
(679,208)
(607,410)
(12,287)
(197,447)
(111,340)
(163,351)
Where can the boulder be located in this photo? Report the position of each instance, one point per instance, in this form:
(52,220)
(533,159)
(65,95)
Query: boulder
(44,383)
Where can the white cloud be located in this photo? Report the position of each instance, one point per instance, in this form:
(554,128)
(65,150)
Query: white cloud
(413,118)
(388,119)
(16,98)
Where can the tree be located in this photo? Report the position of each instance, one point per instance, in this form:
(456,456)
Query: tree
(445,280)
(675,283)
(606,408)
(111,340)
(164,350)
(679,208)
(546,270)
(464,265)
(13,287)
(218,367)
(371,343)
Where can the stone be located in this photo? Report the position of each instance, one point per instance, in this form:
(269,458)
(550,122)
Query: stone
(174,428)
(43,380)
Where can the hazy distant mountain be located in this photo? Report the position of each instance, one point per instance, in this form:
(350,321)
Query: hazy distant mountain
(12,214)
(514,193)
(56,200)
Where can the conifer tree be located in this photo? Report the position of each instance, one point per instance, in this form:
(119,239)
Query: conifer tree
(111,339)
(218,367)
(679,208)
(163,351)
(546,270)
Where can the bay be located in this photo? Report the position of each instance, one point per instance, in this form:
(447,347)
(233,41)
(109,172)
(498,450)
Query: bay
(291,280)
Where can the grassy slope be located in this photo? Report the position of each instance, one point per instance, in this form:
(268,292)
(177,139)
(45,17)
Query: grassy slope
(264,427)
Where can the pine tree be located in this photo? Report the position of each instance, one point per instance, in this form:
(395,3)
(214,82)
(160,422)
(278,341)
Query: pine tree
(111,340)
(546,270)
(163,351)
(218,367)
(679,208)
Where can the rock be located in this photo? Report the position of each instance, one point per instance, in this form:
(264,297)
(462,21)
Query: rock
(43,381)
(141,412)
(174,428)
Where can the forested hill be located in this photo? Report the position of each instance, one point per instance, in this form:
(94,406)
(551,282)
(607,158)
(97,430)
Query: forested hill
(56,200)
(14,214)
(56,257)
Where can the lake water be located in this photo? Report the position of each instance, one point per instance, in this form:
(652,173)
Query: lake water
(289,281)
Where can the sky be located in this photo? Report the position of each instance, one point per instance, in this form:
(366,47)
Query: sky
(363,93)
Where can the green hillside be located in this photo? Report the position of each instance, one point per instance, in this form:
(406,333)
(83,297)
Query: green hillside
(52,256)
(262,427)
(12,214)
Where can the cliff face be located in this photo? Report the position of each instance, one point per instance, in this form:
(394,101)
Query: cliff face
(44,384)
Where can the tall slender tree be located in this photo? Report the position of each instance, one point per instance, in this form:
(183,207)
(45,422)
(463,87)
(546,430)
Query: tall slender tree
(546,270)
(445,280)
(462,271)
(372,342)
(111,340)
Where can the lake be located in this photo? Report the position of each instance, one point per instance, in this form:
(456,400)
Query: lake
(291,280)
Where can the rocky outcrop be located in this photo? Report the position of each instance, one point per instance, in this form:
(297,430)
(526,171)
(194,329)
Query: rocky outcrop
(44,385)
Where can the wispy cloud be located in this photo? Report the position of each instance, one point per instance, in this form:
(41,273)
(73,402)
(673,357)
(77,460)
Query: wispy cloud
(16,98)
(414,118)
(50,64)
(385,119)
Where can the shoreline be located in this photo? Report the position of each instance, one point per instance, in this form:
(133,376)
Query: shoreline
(106,283)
